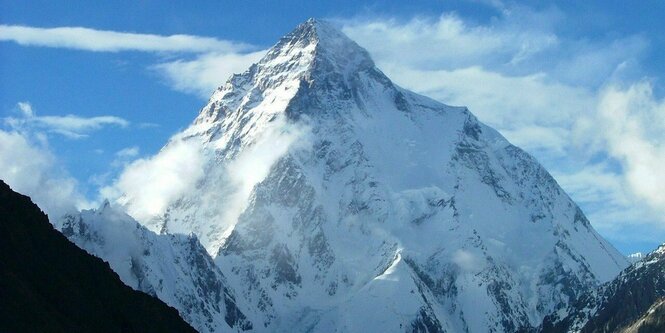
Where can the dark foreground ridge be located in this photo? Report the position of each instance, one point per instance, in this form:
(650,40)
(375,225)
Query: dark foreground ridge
(47,284)
(634,302)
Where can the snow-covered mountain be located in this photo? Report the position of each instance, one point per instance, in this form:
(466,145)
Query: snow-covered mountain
(635,257)
(173,268)
(333,200)
(632,302)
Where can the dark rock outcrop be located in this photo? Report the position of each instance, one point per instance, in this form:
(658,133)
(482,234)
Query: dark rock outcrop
(48,284)
(632,302)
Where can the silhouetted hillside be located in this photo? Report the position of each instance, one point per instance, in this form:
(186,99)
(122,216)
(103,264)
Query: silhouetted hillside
(47,284)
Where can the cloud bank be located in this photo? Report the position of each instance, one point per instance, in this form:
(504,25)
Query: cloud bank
(30,168)
(147,186)
(28,164)
(630,127)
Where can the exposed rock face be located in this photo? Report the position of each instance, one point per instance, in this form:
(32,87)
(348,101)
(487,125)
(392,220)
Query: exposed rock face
(47,284)
(653,321)
(174,268)
(633,302)
(334,200)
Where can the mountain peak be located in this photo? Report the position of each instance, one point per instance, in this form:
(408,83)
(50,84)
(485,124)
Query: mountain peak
(315,55)
(312,27)
(322,45)
(319,32)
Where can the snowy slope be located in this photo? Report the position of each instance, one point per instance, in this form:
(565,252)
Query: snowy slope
(631,300)
(334,200)
(635,257)
(174,268)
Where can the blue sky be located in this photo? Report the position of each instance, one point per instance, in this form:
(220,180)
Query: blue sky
(577,84)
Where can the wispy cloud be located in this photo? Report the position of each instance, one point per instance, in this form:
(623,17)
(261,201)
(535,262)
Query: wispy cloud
(112,41)
(213,61)
(200,76)
(128,152)
(448,41)
(71,126)
(123,157)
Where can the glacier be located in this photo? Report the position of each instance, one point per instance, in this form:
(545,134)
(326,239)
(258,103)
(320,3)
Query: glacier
(333,200)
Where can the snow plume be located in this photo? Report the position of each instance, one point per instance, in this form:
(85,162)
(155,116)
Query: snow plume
(29,167)
(253,164)
(147,186)
(467,261)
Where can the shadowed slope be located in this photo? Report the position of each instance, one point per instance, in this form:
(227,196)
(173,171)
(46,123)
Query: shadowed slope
(47,284)
(632,302)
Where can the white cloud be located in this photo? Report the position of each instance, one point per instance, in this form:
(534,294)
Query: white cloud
(499,70)
(28,165)
(112,41)
(208,71)
(518,106)
(594,184)
(447,42)
(26,109)
(621,191)
(128,152)
(583,63)
(215,60)
(608,202)
(122,158)
(467,261)
(71,126)
(147,186)
(31,169)
(630,123)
